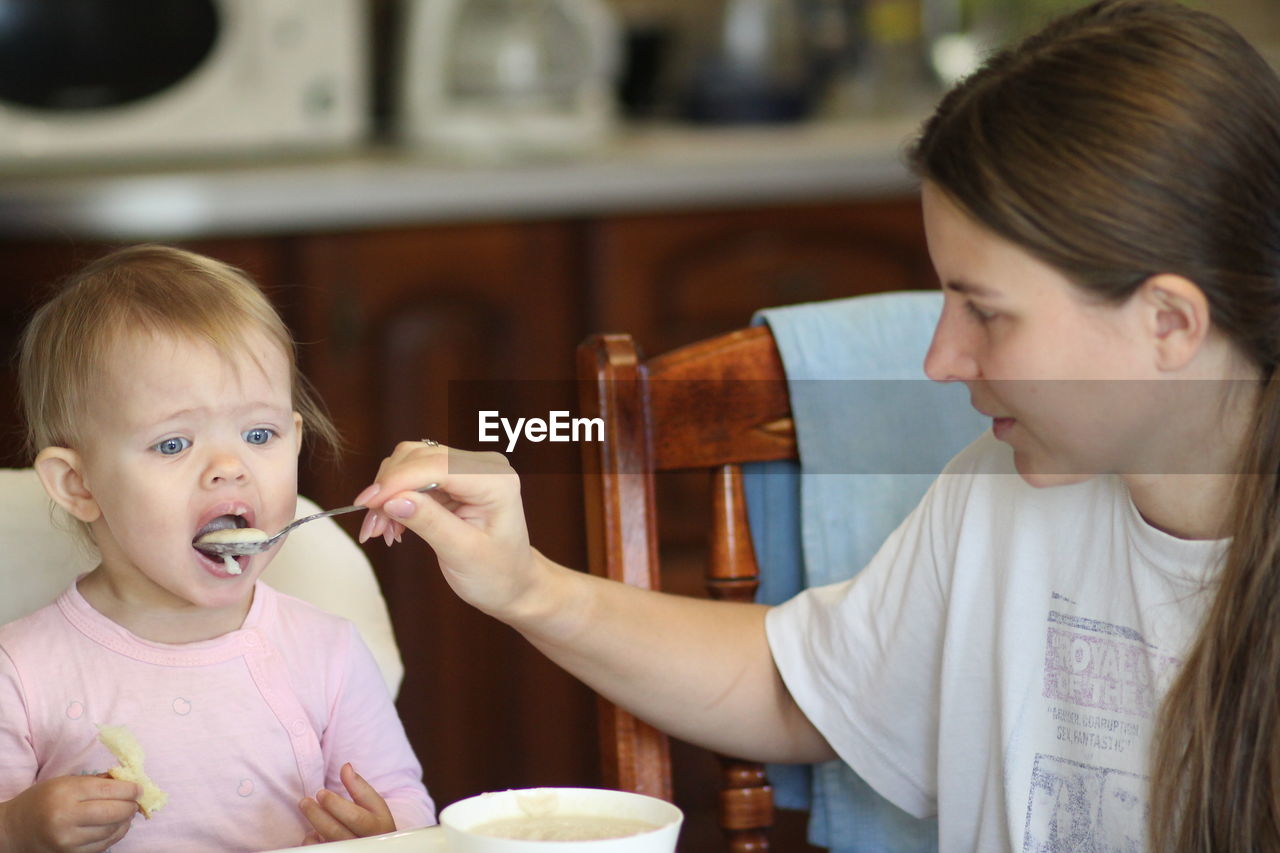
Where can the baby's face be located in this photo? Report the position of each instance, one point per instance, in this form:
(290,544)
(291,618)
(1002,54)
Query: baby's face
(178,437)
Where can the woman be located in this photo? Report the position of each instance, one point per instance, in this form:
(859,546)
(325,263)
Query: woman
(1076,657)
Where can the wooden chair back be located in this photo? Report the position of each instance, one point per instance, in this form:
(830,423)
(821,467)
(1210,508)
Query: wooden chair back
(711,405)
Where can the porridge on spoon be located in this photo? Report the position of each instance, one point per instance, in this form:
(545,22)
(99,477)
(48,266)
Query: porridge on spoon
(232,536)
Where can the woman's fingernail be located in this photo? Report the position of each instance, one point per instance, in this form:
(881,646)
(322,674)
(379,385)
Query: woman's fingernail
(400,508)
(366,526)
(368,493)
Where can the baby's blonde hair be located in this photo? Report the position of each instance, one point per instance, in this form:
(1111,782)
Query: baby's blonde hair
(139,290)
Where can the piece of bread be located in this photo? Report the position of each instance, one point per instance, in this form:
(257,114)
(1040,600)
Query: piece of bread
(125,747)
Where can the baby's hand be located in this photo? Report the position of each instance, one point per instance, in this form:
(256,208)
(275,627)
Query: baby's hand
(85,814)
(474,521)
(336,818)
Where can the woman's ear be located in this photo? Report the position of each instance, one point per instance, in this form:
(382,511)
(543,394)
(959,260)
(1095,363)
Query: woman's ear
(61,473)
(1178,318)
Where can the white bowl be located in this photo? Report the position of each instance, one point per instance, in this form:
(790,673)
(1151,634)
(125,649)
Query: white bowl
(460,818)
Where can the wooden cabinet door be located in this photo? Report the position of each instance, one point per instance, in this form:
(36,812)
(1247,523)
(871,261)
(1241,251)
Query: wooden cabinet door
(675,278)
(394,325)
(671,279)
(29,271)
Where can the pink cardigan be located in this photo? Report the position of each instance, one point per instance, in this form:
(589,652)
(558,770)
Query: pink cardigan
(236,730)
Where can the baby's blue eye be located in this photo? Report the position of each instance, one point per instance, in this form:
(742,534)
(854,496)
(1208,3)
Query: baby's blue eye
(259,435)
(171,446)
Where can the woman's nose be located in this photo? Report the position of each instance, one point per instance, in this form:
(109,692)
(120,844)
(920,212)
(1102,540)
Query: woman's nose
(951,355)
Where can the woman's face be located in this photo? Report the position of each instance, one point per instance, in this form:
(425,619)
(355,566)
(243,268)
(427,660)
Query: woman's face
(1060,373)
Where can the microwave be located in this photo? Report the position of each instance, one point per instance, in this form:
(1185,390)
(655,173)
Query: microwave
(110,79)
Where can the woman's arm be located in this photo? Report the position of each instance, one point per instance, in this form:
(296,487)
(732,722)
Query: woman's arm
(697,669)
(700,670)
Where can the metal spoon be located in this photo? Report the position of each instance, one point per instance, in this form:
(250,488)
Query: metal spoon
(257,546)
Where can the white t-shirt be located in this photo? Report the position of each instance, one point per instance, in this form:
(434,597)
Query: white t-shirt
(1000,660)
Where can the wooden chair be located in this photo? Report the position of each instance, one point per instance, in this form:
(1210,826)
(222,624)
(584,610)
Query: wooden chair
(711,405)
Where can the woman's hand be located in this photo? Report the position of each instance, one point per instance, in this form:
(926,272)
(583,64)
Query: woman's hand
(695,668)
(84,814)
(335,818)
(474,521)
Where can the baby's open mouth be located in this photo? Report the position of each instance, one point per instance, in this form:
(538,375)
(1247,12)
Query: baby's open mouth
(233,565)
(222,522)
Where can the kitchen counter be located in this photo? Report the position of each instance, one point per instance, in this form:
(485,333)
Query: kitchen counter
(648,168)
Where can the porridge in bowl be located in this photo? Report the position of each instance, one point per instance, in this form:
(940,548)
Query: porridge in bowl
(563,827)
(562,820)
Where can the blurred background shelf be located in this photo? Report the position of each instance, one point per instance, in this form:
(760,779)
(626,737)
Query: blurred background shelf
(653,167)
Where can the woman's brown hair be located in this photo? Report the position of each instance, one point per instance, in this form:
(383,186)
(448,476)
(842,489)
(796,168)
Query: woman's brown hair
(1127,139)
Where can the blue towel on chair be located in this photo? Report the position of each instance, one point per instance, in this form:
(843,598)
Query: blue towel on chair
(873,433)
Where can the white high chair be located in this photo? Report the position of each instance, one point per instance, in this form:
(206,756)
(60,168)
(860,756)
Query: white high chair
(318,563)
